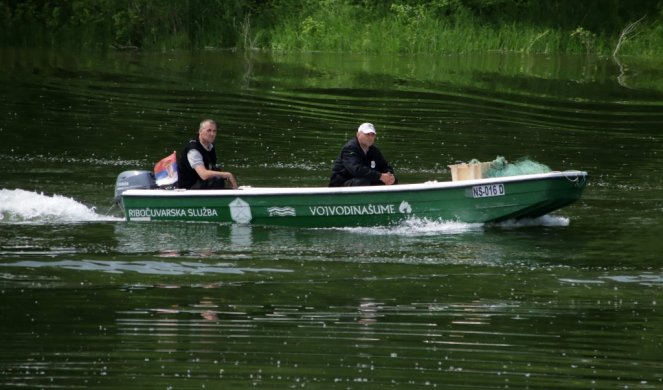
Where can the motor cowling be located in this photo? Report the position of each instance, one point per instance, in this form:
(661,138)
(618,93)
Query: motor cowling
(130,180)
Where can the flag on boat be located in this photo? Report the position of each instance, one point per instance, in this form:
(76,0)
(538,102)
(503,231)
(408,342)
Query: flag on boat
(165,171)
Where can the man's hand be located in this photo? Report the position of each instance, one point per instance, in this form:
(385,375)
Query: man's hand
(231,179)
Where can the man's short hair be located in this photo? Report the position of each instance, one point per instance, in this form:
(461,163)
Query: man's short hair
(205,121)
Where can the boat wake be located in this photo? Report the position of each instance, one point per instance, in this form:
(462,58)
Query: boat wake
(546,220)
(422,227)
(419,227)
(20,206)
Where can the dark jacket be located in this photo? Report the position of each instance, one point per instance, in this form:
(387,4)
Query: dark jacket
(186,175)
(353,163)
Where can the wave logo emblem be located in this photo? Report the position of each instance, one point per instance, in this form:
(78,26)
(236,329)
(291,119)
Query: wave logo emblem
(240,211)
(281,212)
(405,207)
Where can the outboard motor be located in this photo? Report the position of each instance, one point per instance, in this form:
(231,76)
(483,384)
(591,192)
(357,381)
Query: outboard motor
(131,180)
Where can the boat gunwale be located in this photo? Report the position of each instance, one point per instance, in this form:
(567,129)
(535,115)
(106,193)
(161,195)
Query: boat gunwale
(295,191)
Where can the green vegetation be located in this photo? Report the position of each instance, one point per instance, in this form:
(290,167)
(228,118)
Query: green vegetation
(595,27)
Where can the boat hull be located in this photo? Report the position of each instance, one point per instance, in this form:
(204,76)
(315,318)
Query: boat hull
(482,200)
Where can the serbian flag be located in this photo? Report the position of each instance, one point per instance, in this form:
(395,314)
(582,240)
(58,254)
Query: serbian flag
(165,172)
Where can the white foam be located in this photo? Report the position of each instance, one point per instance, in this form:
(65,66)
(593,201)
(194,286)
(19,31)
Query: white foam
(420,227)
(546,220)
(20,206)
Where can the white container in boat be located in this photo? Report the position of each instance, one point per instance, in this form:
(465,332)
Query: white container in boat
(469,171)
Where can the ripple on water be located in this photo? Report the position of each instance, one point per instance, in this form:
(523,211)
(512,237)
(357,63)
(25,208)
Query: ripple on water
(143,267)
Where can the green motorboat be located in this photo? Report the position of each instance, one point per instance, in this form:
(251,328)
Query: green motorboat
(475,200)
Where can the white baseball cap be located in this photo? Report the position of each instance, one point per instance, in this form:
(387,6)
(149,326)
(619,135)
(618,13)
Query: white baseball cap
(367,128)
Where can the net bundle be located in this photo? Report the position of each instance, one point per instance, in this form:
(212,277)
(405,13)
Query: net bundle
(501,167)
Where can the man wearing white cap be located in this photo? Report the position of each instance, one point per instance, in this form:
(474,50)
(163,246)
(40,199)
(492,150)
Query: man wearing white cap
(360,163)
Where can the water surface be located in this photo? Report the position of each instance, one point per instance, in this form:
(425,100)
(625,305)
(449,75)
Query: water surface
(570,300)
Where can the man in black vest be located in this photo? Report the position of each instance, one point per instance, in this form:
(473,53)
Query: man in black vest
(196,168)
(360,163)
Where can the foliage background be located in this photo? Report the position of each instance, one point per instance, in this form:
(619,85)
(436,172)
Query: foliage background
(402,26)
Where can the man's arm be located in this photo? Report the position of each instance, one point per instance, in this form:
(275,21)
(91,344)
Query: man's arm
(196,162)
(206,174)
(353,163)
(387,176)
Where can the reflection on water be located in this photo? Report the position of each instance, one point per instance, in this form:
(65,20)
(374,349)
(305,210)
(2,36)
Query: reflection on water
(141,267)
(271,334)
(569,300)
(411,242)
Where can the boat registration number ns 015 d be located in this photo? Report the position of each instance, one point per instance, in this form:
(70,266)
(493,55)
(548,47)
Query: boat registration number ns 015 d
(488,190)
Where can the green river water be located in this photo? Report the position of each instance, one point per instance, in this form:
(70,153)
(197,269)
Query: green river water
(572,300)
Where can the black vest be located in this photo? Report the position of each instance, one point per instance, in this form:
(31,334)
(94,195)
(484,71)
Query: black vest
(187,176)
